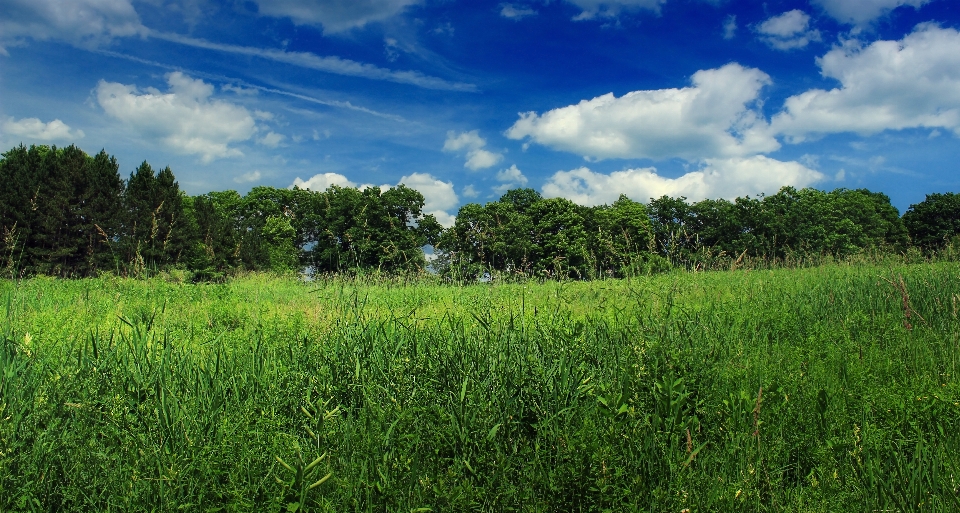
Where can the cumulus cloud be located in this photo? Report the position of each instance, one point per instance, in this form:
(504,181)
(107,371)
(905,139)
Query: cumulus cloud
(334,15)
(457,142)
(186,119)
(482,159)
(516,12)
(438,196)
(886,85)
(323,181)
(32,129)
(477,156)
(863,12)
(718,116)
(788,31)
(510,178)
(512,175)
(86,23)
(611,8)
(723,178)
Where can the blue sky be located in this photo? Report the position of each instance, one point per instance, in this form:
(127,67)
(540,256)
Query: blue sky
(582,99)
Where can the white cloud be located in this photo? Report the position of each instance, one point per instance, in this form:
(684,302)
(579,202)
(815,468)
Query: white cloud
(717,116)
(887,85)
(730,27)
(470,192)
(863,12)
(724,178)
(482,159)
(516,12)
(477,157)
(468,140)
(186,119)
(439,196)
(510,178)
(86,23)
(445,219)
(512,175)
(326,64)
(611,8)
(788,31)
(32,129)
(334,15)
(271,139)
(252,176)
(322,181)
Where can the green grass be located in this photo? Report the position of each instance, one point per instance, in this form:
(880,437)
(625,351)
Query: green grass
(824,389)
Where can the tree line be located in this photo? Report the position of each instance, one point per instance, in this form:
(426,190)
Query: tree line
(65,213)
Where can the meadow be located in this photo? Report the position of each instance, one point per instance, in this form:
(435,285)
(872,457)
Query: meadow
(824,389)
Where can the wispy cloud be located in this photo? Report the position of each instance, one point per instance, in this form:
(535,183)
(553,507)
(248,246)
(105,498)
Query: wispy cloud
(327,64)
(252,176)
(516,12)
(730,27)
(328,103)
(234,83)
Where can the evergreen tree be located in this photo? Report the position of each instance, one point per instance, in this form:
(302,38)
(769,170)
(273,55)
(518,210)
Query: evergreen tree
(99,211)
(153,208)
(54,246)
(210,224)
(19,187)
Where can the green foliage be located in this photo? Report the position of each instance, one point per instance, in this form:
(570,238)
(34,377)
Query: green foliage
(213,228)
(65,213)
(59,209)
(154,233)
(934,222)
(279,235)
(624,237)
(805,222)
(526,235)
(371,230)
(827,389)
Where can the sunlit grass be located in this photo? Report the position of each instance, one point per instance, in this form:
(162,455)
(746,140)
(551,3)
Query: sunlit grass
(825,389)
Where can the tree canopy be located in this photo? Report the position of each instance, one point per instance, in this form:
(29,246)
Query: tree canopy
(65,213)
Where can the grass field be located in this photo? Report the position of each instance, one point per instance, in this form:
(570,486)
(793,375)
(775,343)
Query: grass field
(825,389)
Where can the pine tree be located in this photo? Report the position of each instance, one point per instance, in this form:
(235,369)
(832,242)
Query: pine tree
(53,244)
(18,191)
(100,206)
